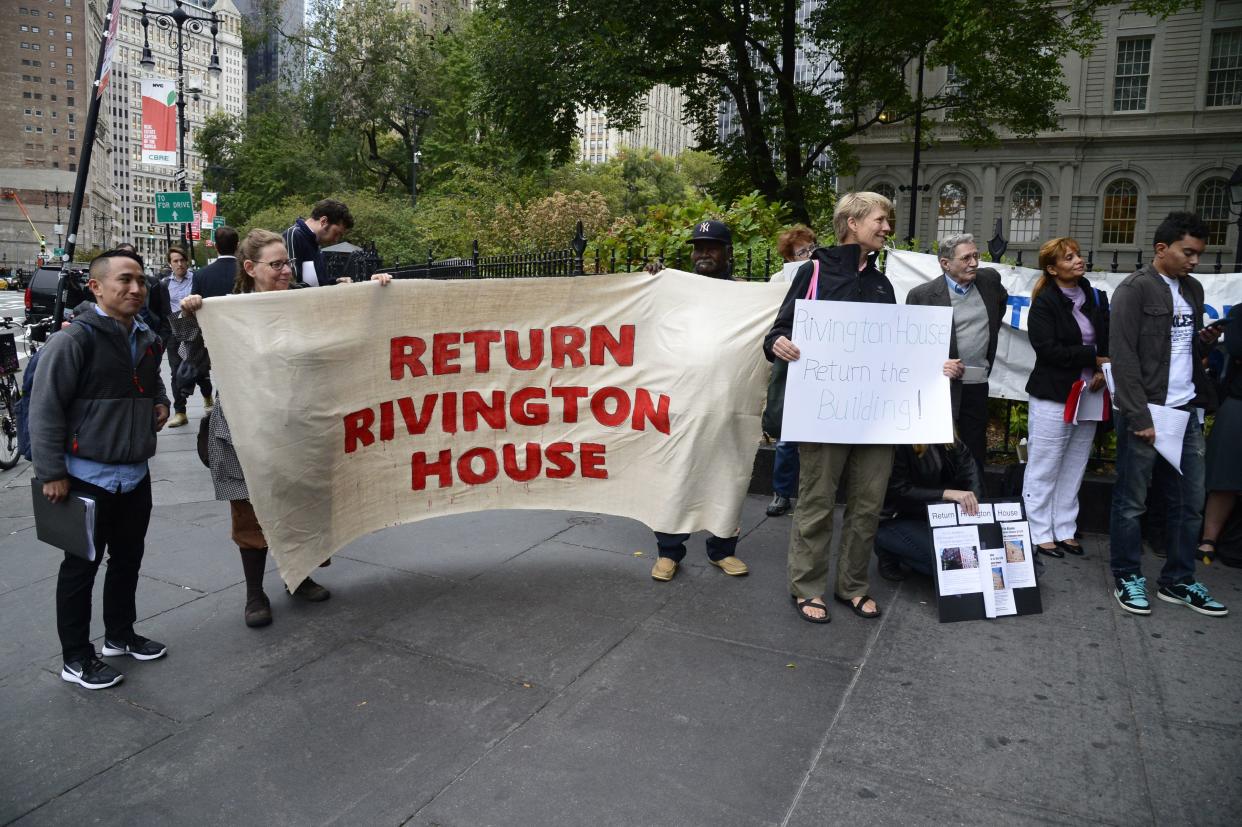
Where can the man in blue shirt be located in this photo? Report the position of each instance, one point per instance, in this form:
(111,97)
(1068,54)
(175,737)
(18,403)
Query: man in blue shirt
(96,406)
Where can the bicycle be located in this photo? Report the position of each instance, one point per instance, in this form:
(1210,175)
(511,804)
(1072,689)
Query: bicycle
(10,392)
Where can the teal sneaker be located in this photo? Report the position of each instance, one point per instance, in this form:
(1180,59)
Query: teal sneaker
(1193,596)
(1131,593)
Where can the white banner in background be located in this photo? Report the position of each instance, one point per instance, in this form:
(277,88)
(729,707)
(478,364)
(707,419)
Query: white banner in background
(1014,356)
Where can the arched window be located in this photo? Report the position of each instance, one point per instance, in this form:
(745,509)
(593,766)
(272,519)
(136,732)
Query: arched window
(887,190)
(1120,212)
(1026,207)
(951,215)
(1212,205)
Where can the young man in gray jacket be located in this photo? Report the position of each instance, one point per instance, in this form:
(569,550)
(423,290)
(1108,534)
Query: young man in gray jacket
(1158,343)
(97,403)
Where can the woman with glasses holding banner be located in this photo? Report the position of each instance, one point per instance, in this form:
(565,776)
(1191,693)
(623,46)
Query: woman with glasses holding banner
(1068,327)
(263,266)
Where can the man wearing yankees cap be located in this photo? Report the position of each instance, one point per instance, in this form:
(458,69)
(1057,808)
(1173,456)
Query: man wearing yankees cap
(712,256)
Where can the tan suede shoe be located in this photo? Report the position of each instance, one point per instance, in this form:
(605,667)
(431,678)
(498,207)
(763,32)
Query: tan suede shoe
(664,569)
(178,419)
(732,566)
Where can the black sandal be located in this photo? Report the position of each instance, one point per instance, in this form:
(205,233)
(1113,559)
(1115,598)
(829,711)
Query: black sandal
(1206,556)
(801,603)
(857,608)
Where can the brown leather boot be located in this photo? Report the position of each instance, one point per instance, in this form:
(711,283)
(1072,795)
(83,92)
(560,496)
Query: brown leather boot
(258,610)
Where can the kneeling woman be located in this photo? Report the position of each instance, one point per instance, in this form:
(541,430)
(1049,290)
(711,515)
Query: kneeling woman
(922,474)
(263,266)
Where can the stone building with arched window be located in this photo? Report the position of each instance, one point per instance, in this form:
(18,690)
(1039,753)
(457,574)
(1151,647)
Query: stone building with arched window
(1153,124)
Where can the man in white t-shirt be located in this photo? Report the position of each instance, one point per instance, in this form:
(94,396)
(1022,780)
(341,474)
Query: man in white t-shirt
(1158,343)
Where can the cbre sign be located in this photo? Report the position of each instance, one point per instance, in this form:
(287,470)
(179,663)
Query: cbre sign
(173,208)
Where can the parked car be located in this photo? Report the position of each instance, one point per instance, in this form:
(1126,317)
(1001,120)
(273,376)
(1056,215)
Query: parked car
(41,291)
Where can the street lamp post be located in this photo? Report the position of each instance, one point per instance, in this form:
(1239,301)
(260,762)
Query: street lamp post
(1235,200)
(415,115)
(180,20)
(914,189)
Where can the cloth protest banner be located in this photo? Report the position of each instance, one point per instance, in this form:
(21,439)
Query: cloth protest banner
(1014,356)
(362,407)
(869,374)
(159,122)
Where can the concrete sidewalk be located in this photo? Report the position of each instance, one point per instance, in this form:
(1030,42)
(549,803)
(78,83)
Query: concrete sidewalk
(521,668)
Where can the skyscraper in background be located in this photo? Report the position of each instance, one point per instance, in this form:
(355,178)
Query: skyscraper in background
(270,20)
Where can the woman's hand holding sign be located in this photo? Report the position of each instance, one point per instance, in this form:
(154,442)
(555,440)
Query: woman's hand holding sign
(785,349)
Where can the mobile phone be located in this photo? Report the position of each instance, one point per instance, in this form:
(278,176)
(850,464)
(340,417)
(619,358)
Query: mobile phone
(1217,323)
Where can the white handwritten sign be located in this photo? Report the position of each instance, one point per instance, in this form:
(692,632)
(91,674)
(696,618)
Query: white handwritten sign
(869,374)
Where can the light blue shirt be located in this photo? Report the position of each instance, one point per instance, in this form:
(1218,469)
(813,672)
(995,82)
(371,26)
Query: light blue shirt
(178,289)
(120,478)
(957,288)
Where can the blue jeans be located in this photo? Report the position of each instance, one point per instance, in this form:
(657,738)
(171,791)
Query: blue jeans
(1135,459)
(673,546)
(907,540)
(785,469)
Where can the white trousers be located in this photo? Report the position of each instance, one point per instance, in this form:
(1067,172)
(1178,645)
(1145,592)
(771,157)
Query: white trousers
(1057,454)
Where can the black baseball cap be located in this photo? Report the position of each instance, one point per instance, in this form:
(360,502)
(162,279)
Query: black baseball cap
(711,230)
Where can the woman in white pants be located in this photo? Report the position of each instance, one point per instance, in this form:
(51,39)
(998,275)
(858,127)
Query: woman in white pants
(1068,326)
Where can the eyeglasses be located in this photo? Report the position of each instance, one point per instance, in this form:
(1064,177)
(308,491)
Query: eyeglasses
(804,251)
(279,264)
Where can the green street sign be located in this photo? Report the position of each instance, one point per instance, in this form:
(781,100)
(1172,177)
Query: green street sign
(59,251)
(218,221)
(173,208)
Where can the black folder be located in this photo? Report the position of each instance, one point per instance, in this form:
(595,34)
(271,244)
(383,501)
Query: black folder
(68,525)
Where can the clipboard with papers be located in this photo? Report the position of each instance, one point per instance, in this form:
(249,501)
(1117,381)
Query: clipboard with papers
(68,525)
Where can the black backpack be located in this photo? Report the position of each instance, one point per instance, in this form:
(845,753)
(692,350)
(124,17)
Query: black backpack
(23,404)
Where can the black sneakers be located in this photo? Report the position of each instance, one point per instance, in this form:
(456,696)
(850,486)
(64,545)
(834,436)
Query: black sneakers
(91,673)
(136,647)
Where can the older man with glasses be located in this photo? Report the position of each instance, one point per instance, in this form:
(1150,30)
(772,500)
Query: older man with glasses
(978,300)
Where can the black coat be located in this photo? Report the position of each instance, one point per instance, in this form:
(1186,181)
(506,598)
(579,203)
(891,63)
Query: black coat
(839,280)
(919,480)
(216,279)
(1060,355)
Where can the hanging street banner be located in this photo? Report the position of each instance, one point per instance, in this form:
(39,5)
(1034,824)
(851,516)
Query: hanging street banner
(173,208)
(208,212)
(159,122)
(105,69)
(1014,356)
(637,395)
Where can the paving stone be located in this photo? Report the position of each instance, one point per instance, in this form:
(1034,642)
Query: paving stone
(668,729)
(364,735)
(841,792)
(58,735)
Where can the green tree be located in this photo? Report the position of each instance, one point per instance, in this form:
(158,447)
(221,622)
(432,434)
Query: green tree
(544,59)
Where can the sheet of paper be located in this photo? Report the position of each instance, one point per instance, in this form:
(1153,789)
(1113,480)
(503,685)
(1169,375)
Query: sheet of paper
(1108,379)
(869,374)
(90,526)
(1090,406)
(984,515)
(1019,554)
(1006,512)
(957,559)
(997,591)
(974,373)
(309,275)
(941,514)
(1170,425)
